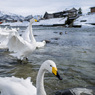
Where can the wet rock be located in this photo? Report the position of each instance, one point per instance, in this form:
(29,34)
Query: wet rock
(19,61)
(65,32)
(20,34)
(55,38)
(24,61)
(84,52)
(22,31)
(47,41)
(35,35)
(60,33)
(65,92)
(55,32)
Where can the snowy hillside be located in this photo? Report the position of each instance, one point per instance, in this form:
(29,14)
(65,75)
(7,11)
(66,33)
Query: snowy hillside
(10,16)
(85,20)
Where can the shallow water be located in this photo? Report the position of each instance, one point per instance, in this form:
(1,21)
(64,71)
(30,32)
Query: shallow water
(73,53)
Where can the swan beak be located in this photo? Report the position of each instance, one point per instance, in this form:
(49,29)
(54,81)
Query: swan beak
(55,72)
(35,20)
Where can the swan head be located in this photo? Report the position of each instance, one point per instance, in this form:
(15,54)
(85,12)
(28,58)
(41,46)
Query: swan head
(50,66)
(33,20)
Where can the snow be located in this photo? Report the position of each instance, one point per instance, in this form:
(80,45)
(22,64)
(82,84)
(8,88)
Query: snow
(85,20)
(52,21)
(25,23)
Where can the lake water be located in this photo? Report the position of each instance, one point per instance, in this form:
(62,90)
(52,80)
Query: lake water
(73,52)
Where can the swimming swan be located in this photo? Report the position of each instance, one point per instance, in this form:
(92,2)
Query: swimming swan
(28,35)
(17,86)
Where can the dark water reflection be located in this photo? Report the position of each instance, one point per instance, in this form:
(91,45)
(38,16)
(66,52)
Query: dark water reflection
(73,52)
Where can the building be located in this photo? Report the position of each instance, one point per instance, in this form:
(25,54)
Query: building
(72,12)
(58,14)
(66,13)
(92,9)
(53,15)
(47,15)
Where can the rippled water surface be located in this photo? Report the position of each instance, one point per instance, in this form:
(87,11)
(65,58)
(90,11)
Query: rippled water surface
(73,52)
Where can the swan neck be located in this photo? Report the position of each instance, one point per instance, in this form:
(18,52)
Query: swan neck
(40,82)
(31,33)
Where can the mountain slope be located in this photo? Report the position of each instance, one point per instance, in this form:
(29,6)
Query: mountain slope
(10,16)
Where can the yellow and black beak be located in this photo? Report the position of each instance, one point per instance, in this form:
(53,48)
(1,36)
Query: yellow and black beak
(35,20)
(55,72)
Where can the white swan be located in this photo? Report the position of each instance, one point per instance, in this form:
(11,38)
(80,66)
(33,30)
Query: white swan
(17,86)
(20,47)
(24,45)
(28,35)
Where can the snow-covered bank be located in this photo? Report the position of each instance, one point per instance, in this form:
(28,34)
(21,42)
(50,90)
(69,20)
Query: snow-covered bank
(53,21)
(25,23)
(86,20)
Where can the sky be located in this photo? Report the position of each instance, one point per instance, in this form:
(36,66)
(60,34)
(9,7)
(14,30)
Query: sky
(39,7)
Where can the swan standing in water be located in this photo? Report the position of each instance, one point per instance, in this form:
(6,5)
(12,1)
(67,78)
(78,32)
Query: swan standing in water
(28,36)
(25,45)
(17,86)
(22,46)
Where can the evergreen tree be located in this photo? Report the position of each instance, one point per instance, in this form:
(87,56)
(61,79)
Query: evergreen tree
(80,11)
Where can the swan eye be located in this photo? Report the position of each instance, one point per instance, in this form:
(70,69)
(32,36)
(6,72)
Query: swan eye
(50,65)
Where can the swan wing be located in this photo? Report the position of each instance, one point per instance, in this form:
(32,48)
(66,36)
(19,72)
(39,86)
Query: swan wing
(20,47)
(15,43)
(16,86)
(3,40)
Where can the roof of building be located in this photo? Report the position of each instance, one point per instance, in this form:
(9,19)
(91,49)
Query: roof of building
(92,7)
